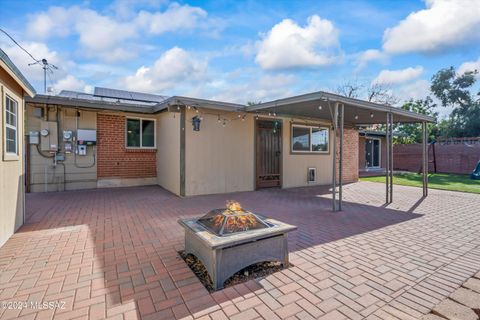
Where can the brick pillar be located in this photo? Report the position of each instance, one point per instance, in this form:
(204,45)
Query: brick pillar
(350,154)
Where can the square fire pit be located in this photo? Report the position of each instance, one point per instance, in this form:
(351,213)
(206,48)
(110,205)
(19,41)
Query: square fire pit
(228,240)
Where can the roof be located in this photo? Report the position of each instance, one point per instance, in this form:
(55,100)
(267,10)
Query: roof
(357,112)
(314,105)
(129,101)
(15,73)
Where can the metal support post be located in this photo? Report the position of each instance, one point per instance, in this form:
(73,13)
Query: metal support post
(387,161)
(425,158)
(340,162)
(391,158)
(334,169)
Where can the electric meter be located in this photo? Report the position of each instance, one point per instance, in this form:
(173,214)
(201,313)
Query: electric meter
(44,132)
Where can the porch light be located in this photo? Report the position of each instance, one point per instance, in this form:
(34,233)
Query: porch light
(356,117)
(196,123)
(371,114)
(320,107)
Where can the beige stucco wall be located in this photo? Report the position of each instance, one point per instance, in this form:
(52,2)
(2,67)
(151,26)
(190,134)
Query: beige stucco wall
(222,159)
(11,168)
(295,166)
(219,159)
(44,176)
(168,151)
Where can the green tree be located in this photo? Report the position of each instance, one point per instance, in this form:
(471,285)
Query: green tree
(456,91)
(412,132)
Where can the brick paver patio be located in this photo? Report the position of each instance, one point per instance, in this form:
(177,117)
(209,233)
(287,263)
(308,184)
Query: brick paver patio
(112,254)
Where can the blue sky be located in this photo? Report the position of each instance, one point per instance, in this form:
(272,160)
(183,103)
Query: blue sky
(243,50)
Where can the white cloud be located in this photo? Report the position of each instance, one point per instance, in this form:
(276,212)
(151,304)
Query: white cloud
(369,55)
(34,73)
(100,36)
(469,66)
(174,68)
(71,83)
(393,77)
(443,24)
(112,38)
(255,88)
(176,17)
(418,89)
(288,45)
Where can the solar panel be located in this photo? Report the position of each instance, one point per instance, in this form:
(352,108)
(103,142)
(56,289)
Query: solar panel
(127,95)
(85,96)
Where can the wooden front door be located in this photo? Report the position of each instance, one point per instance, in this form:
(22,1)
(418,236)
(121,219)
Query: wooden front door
(268,153)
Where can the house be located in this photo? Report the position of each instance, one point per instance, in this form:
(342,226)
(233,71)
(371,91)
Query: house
(13,88)
(191,146)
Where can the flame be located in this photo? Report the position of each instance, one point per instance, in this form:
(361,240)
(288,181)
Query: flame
(235,222)
(233,205)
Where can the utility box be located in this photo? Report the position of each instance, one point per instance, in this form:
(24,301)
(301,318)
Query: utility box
(86,137)
(49,136)
(34,137)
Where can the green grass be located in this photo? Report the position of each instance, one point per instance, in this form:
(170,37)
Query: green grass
(453,182)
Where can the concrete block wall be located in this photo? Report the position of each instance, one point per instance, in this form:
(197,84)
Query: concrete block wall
(114,159)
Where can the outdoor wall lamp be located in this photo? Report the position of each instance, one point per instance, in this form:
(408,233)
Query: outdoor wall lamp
(196,123)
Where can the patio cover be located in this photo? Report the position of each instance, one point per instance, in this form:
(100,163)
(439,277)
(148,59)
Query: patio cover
(307,105)
(351,112)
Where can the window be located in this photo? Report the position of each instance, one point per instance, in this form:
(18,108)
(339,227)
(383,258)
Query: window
(11,109)
(140,133)
(309,139)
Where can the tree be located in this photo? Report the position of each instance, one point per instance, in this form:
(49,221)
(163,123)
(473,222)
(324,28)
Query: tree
(412,132)
(373,92)
(455,90)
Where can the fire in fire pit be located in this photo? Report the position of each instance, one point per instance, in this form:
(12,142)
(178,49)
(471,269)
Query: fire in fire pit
(231,220)
(230,239)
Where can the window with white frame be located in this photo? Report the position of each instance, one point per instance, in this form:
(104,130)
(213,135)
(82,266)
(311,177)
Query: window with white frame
(140,133)
(11,112)
(309,139)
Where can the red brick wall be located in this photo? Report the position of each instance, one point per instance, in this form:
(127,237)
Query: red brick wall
(350,155)
(451,158)
(116,161)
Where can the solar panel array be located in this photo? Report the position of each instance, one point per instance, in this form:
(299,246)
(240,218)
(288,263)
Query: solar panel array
(128,95)
(93,98)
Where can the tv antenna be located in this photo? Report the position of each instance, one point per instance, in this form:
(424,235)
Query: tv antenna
(46,66)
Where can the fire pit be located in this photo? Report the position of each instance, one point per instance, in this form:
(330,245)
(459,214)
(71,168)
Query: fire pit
(228,240)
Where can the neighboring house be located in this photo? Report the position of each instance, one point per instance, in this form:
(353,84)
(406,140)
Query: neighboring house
(371,151)
(189,146)
(13,88)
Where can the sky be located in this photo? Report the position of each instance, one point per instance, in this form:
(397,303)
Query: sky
(241,51)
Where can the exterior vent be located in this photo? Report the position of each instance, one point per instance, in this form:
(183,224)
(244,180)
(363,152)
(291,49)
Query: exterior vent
(312,175)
